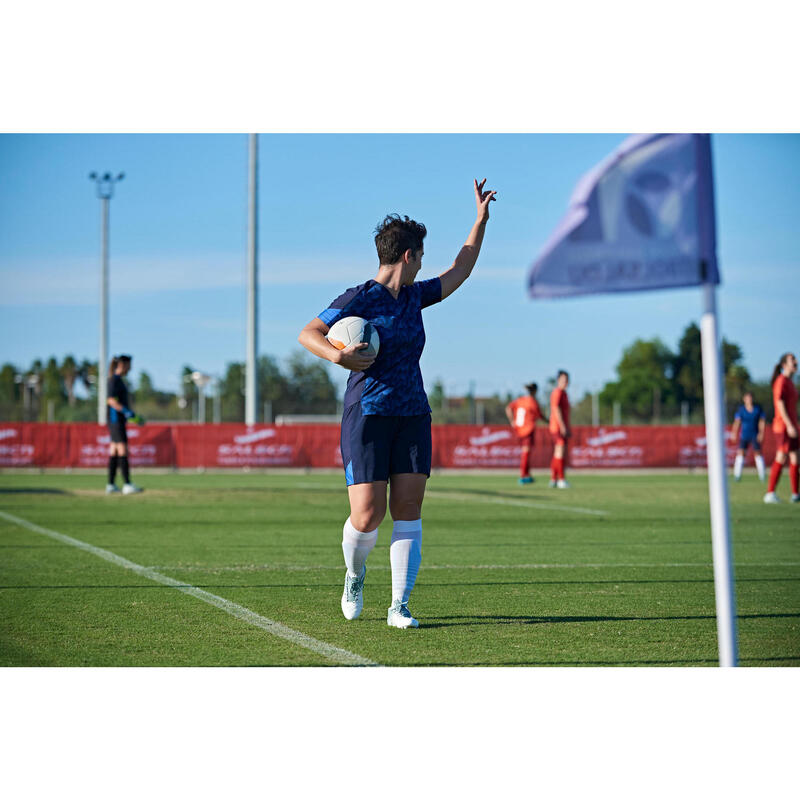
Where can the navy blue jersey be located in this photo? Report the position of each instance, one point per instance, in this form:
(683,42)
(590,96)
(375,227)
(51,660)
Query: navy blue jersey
(749,420)
(392,386)
(118,390)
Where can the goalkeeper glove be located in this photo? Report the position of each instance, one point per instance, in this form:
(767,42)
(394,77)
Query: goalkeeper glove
(138,419)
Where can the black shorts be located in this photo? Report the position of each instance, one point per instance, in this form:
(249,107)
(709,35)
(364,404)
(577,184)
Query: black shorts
(374,447)
(118,432)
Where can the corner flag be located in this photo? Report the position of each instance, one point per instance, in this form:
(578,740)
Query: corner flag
(644,219)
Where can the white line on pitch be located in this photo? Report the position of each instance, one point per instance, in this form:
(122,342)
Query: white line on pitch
(240,612)
(507,501)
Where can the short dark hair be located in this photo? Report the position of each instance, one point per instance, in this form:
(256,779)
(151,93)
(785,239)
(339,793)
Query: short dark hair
(397,234)
(564,373)
(531,387)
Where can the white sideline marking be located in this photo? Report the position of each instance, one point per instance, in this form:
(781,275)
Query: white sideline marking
(507,501)
(314,567)
(240,612)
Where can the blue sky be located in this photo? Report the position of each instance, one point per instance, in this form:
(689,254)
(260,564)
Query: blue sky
(178,242)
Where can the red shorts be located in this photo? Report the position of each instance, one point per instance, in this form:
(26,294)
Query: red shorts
(787,444)
(527,441)
(558,439)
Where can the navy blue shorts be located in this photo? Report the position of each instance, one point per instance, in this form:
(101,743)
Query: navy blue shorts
(374,447)
(118,432)
(746,441)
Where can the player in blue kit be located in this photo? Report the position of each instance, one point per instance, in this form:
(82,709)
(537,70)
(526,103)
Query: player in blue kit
(386,424)
(749,423)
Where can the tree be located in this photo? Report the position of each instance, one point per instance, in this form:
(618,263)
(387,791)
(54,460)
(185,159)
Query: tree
(310,388)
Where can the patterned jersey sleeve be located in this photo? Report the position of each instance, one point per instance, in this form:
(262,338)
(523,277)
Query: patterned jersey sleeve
(346,304)
(430,292)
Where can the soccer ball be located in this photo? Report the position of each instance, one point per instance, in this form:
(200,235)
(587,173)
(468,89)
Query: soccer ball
(354,330)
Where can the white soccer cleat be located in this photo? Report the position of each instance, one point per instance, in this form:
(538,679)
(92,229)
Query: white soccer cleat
(111,488)
(552,484)
(353,596)
(795,498)
(400,617)
(131,488)
(771,497)
(562,484)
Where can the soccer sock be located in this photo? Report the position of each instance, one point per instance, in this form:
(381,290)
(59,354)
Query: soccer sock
(356,546)
(123,463)
(737,466)
(524,463)
(112,469)
(405,554)
(793,477)
(554,468)
(760,466)
(559,469)
(774,475)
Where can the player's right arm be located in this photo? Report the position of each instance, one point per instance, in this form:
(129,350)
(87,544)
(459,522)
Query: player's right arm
(312,337)
(510,415)
(780,408)
(560,419)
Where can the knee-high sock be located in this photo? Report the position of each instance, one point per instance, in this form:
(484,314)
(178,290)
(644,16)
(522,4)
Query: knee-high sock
(112,468)
(760,466)
(405,554)
(737,465)
(126,474)
(559,469)
(356,546)
(774,475)
(524,462)
(554,468)
(793,477)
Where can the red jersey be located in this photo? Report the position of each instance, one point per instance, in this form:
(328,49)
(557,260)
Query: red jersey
(784,389)
(558,399)
(525,411)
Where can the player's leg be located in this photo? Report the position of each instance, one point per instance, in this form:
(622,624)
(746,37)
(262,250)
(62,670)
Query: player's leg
(410,469)
(777,466)
(560,461)
(113,462)
(558,453)
(365,457)
(794,477)
(127,487)
(739,461)
(759,459)
(525,459)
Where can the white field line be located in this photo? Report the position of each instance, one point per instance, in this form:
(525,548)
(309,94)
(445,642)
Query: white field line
(329,651)
(315,567)
(475,498)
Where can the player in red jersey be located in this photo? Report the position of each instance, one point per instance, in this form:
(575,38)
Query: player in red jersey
(559,430)
(784,426)
(522,415)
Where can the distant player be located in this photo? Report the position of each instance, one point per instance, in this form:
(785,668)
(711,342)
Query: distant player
(386,424)
(784,426)
(748,430)
(523,414)
(559,430)
(119,413)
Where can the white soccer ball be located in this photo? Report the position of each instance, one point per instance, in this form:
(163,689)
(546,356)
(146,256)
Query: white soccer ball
(354,330)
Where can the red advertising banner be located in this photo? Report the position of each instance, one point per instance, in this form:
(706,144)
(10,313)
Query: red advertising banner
(34,444)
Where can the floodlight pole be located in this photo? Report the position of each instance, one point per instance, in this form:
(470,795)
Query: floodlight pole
(105,191)
(251,384)
(717,482)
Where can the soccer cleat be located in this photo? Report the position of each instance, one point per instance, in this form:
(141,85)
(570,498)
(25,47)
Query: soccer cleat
(552,484)
(737,478)
(526,479)
(111,488)
(353,596)
(400,617)
(795,498)
(771,497)
(562,484)
(131,488)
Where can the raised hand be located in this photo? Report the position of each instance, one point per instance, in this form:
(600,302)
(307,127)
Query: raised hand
(482,199)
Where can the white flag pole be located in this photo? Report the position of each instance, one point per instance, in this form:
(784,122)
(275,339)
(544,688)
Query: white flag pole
(717,482)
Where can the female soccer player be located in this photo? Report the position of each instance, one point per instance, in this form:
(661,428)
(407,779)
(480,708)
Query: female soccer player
(386,424)
(118,413)
(749,421)
(784,426)
(523,414)
(559,430)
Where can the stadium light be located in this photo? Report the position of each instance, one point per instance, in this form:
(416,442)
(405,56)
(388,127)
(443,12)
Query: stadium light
(104,186)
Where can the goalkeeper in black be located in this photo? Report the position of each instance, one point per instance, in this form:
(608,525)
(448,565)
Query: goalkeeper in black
(119,413)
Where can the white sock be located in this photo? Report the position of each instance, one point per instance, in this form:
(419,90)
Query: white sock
(405,555)
(737,465)
(760,466)
(356,546)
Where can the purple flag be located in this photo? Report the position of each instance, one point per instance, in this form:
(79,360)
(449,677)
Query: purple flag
(641,219)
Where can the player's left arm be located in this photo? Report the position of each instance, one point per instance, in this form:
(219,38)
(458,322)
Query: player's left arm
(462,267)
(762,425)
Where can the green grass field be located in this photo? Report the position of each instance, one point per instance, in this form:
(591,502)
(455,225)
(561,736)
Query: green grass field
(616,571)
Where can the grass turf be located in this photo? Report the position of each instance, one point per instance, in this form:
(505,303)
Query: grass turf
(508,577)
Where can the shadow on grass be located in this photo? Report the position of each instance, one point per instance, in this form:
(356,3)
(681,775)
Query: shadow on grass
(32,490)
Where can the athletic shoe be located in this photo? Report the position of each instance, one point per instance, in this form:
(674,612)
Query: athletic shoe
(795,498)
(562,484)
(737,478)
(526,479)
(353,596)
(400,617)
(111,488)
(771,497)
(552,484)
(131,488)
